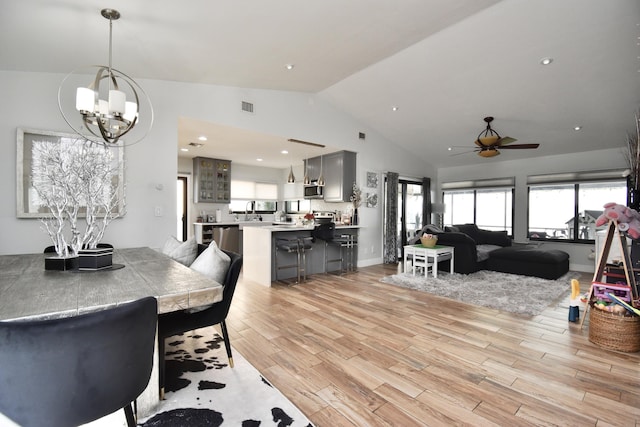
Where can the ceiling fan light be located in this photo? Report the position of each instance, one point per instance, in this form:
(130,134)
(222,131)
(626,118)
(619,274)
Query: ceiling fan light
(489,140)
(488,153)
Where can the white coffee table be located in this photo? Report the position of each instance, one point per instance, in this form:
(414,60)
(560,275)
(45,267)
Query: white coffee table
(428,258)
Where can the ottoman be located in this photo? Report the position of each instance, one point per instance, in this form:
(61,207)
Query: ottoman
(528,261)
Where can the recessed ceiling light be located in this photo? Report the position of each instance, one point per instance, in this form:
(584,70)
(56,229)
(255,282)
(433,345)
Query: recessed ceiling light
(284,152)
(289,66)
(450,149)
(184,149)
(394,108)
(577,127)
(546,61)
(202,138)
(259,159)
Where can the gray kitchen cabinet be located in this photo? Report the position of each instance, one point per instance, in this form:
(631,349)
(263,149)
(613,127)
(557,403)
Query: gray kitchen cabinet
(212,183)
(312,168)
(339,171)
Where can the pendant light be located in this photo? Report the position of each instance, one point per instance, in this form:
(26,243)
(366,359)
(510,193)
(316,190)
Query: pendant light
(291,179)
(306,180)
(321,178)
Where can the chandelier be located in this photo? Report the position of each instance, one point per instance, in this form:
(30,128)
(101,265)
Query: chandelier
(109,107)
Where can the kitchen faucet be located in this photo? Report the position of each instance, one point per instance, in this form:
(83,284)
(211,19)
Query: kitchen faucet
(246,210)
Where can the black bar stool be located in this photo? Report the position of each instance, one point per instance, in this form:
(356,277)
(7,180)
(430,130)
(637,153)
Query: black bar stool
(345,242)
(298,246)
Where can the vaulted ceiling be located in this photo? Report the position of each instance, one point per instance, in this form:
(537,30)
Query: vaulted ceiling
(444,64)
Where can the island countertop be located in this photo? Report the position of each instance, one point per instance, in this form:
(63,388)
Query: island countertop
(259,249)
(294,227)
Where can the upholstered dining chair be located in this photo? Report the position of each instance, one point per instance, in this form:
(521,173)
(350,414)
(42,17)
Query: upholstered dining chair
(69,371)
(179,322)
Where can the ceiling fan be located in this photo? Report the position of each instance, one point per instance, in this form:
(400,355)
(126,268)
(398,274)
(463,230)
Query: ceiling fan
(489,141)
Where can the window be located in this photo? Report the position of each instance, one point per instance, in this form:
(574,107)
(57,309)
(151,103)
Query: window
(297,206)
(490,209)
(568,211)
(486,203)
(458,207)
(258,197)
(251,206)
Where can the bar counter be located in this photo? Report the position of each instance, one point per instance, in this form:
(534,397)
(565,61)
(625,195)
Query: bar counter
(259,249)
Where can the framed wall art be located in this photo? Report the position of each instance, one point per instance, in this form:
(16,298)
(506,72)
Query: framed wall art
(57,162)
(372,180)
(372,200)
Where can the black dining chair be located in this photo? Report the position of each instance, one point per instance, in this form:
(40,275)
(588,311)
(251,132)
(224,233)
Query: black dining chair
(69,371)
(179,322)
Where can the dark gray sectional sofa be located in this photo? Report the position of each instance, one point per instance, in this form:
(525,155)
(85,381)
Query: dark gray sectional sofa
(477,249)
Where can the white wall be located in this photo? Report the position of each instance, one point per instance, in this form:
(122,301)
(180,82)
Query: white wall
(30,101)
(592,160)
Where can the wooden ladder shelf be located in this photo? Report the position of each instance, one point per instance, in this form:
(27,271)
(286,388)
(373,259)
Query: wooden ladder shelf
(612,231)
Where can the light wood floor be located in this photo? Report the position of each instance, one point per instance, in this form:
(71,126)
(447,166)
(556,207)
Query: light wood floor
(352,351)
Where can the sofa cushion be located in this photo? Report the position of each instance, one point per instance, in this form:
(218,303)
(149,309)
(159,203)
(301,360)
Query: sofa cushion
(484,251)
(470,230)
(547,264)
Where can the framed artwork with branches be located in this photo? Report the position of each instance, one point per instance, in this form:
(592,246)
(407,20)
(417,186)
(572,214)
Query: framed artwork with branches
(55,168)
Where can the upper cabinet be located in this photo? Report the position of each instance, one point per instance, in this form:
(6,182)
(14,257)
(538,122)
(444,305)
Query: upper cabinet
(339,172)
(312,168)
(212,180)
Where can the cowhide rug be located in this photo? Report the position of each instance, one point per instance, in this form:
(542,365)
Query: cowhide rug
(202,390)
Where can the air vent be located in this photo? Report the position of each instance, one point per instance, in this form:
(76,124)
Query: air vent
(247,106)
(361,135)
(196,144)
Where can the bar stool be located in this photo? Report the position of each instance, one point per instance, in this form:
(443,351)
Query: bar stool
(345,242)
(294,245)
(351,250)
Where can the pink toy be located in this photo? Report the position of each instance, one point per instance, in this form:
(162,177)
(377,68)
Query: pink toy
(628,219)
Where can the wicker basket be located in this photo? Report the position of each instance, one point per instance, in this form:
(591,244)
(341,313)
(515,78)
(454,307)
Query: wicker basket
(429,242)
(613,331)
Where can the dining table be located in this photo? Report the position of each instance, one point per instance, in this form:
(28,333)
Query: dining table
(29,292)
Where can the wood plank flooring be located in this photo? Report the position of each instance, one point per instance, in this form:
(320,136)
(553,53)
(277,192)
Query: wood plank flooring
(352,351)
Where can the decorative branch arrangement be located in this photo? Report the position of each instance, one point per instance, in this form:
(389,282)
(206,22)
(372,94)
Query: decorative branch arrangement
(356,196)
(633,154)
(70,177)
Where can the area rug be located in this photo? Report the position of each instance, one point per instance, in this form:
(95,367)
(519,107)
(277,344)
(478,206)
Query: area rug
(508,292)
(202,390)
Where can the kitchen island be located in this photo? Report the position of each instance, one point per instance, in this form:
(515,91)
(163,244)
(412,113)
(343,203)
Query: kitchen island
(259,251)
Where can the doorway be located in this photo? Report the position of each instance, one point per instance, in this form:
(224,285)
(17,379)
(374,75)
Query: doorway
(181,208)
(410,207)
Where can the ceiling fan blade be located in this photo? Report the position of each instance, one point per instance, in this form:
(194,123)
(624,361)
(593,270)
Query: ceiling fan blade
(462,152)
(505,140)
(520,146)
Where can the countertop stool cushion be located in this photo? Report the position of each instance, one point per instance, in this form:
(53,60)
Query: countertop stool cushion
(529,261)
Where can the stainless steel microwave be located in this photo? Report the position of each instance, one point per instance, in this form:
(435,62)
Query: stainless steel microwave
(313,192)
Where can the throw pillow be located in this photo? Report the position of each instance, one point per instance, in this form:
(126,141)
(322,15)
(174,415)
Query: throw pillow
(183,252)
(169,245)
(212,263)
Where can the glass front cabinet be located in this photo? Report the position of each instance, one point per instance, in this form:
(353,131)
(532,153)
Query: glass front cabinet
(212,180)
